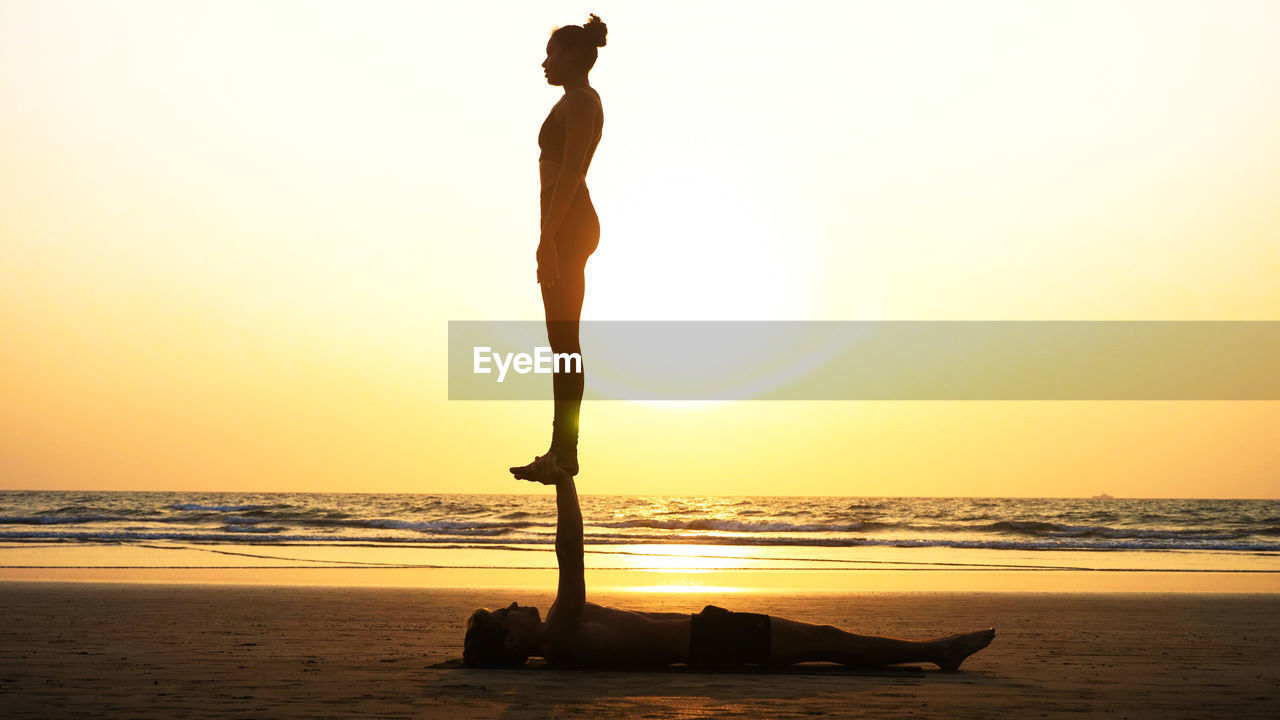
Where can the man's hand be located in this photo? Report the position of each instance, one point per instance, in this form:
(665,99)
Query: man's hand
(548,263)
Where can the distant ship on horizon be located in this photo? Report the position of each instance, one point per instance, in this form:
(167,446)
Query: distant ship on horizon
(1102,496)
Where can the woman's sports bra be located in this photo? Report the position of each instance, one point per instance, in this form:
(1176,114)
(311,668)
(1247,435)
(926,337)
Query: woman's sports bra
(551,137)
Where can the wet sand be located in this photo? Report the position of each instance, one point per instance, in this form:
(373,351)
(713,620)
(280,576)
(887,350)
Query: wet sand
(155,650)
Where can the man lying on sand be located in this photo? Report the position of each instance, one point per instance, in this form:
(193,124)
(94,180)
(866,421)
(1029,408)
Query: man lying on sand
(579,633)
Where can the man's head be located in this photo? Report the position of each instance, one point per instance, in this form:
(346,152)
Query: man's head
(500,638)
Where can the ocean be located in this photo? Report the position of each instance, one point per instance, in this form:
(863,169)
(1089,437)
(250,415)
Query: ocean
(1166,534)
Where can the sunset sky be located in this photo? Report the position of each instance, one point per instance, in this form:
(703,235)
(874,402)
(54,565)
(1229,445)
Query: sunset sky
(232,233)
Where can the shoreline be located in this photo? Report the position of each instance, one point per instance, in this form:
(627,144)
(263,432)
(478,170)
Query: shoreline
(680,569)
(719,583)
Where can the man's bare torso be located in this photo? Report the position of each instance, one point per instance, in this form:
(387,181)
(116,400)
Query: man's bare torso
(608,636)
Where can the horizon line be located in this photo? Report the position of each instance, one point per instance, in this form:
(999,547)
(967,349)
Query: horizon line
(664,495)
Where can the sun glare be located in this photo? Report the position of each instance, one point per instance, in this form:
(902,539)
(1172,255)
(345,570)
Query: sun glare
(715,251)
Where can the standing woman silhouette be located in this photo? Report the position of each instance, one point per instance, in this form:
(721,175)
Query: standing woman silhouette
(570,228)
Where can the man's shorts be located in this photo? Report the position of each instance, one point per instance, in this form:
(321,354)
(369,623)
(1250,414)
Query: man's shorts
(719,638)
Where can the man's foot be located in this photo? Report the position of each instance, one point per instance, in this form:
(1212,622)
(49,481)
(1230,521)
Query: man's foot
(953,650)
(543,469)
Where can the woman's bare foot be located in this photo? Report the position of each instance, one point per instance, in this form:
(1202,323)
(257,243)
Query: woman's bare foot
(953,650)
(568,462)
(543,469)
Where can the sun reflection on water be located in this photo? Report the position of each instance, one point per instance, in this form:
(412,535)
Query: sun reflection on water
(679,588)
(684,558)
(684,569)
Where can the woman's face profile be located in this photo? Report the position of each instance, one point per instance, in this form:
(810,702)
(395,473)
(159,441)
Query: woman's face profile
(558,63)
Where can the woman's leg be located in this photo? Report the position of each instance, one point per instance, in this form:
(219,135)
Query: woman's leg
(562,304)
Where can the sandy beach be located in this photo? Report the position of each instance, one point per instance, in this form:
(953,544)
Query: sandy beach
(162,650)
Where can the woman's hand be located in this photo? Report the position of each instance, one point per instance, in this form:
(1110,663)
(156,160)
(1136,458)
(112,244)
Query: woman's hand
(548,263)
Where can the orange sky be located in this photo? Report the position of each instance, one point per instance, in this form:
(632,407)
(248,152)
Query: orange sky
(232,234)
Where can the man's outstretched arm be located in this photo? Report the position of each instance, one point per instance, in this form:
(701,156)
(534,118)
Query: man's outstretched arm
(571,595)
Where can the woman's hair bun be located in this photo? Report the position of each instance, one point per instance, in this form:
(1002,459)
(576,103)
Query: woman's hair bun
(595,30)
